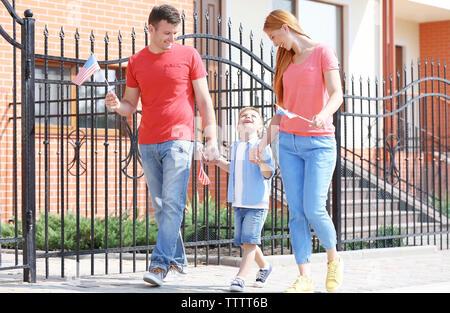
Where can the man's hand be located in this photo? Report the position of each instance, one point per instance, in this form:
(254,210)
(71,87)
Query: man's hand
(212,151)
(112,102)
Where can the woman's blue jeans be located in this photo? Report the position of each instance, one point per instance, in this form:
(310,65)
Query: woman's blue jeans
(167,167)
(307,165)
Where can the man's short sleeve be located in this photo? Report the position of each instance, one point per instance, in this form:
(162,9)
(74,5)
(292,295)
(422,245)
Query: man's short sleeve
(197,68)
(131,79)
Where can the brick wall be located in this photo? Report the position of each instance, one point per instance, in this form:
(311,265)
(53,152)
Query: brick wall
(98,16)
(435,41)
(435,45)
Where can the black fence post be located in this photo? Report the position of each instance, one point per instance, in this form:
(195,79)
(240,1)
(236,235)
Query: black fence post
(336,184)
(28,153)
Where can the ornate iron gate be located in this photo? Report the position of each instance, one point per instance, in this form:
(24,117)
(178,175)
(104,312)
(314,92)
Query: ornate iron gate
(26,49)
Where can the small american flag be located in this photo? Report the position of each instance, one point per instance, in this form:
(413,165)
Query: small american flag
(289,114)
(202,177)
(90,67)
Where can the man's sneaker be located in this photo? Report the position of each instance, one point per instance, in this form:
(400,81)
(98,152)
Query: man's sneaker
(302,284)
(334,275)
(237,284)
(155,276)
(262,275)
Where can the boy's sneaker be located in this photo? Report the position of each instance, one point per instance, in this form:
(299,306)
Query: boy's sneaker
(302,284)
(155,276)
(262,275)
(237,284)
(334,275)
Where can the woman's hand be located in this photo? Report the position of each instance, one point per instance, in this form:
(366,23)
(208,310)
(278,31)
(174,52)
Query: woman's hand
(320,121)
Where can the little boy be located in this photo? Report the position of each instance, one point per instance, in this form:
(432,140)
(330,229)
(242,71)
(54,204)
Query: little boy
(248,191)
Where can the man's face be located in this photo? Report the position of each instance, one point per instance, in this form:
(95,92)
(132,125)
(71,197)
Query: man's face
(163,36)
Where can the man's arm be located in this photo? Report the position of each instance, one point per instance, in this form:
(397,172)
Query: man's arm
(129,102)
(206,110)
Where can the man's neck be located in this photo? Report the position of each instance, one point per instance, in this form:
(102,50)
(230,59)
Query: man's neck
(155,50)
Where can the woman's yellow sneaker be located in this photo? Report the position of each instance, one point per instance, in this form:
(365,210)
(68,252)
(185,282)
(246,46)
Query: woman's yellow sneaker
(334,275)
(302,284)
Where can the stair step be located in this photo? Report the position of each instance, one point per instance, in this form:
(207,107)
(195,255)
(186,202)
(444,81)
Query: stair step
(388,217)
(351,232)
(366,205)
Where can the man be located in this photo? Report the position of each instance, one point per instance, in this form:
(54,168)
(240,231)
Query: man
(168,77)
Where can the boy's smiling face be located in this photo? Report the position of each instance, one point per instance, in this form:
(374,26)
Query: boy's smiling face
(250,124)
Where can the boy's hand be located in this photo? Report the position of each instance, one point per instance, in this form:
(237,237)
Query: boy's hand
(256,155)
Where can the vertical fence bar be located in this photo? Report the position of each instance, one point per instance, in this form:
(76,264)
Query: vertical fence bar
(92,158)
(77,154)
(46,143)
(28,149)
(106,144)
(15,168)
(134,145)
(336,186)
(117,160)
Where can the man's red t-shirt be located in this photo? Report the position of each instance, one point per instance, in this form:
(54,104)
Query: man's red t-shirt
(167,95)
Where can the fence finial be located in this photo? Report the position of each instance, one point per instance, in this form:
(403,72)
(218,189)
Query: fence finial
(28,13)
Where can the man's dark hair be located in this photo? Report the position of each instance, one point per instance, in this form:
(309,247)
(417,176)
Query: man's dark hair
(164,12)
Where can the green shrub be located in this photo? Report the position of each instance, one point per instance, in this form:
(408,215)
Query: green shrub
(86,241)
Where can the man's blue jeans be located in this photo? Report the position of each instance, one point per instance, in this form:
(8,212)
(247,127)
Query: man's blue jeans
(167,167)
(307,165)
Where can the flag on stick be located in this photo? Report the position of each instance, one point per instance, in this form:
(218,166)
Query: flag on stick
(202,177)
(90,67)
(289,114)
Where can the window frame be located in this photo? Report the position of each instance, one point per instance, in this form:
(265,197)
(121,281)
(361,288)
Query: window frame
(55,129)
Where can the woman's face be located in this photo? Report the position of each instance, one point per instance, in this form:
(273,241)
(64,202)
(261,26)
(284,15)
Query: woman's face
(281,37)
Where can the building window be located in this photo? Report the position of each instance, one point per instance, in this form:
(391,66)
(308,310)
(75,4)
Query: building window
(61,99)
(287,5)
(323,23)
(55,92)
(92,103)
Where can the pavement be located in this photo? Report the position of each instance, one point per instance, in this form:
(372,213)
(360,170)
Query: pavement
(420,269)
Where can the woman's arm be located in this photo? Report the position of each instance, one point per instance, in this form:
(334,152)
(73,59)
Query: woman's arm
(334,89)
(256,154)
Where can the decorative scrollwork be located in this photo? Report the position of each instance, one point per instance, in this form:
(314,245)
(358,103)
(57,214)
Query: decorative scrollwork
(133,151)
(392,144)
(76,147)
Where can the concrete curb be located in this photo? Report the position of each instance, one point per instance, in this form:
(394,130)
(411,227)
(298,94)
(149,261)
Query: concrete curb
(288,259)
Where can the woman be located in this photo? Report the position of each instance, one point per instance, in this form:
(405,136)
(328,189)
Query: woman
(306,83)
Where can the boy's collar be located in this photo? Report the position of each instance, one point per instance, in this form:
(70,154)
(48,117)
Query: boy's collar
(252,140)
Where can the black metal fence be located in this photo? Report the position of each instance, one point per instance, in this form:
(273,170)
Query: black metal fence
(81,168)
(394,159)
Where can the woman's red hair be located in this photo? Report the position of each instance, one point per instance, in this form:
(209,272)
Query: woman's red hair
(274,21)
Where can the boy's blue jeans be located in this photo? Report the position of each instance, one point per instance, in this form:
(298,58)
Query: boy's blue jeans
(307,166)
(248,224)
(167,167)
